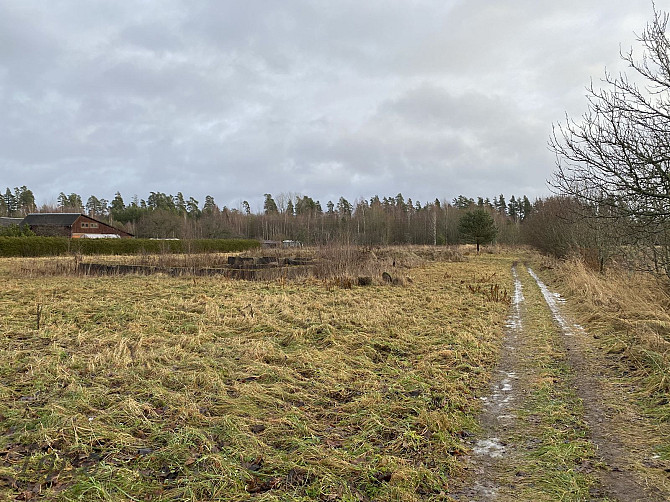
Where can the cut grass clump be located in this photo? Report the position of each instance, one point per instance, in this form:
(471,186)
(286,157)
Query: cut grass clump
(153,387)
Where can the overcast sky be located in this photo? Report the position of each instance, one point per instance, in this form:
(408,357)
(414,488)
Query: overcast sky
(232,98)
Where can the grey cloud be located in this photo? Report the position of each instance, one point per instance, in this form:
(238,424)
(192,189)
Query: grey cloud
(319,97)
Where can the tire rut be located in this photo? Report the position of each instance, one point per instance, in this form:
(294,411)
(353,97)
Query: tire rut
(500,452)
(617,480)
(493,454)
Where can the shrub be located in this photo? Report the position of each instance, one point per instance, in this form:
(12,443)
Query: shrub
(55,246)
(33,246)
(16,231)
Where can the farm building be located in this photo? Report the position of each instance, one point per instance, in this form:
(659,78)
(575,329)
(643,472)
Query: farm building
(8,222)
(73,225)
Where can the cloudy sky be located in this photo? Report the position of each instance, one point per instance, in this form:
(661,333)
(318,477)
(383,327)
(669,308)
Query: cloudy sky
(327,98)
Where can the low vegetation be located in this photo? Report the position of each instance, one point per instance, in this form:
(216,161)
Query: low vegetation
(317,388)
(58,246)
(153,387)
(337,266)
(557,466)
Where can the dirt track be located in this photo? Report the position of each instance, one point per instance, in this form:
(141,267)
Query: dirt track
(549,363)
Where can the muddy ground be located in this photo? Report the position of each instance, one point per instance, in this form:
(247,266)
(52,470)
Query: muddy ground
(558,424)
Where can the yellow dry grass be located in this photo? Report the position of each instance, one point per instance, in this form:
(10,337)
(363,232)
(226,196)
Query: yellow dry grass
(631,311)
(153,387)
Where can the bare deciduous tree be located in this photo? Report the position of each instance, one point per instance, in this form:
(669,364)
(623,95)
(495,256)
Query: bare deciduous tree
(617,158)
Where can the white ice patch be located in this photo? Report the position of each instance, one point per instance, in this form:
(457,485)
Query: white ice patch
(484,492)
(501,397)
(505,384)
(490,447)
(514,320)
(553,299)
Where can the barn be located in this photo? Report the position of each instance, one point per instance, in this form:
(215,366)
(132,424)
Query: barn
(74,225)
(8,222)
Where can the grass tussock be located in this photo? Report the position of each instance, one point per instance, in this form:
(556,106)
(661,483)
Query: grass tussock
(162,388)
(630,312)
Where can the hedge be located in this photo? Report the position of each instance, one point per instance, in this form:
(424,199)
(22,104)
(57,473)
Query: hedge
(57,246)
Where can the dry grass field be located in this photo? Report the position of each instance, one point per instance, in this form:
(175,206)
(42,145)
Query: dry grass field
(161,388)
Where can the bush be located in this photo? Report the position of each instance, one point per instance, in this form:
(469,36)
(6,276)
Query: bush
(33,246)
(16,231)
(55,246)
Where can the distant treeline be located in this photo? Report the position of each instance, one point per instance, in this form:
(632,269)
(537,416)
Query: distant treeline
(379,220)
(558,225)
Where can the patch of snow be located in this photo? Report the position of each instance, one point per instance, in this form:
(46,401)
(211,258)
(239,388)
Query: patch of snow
(553,299)
(490,447)
(514,320)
